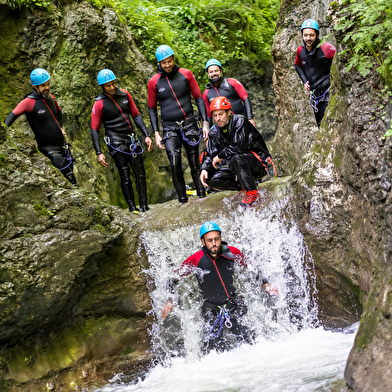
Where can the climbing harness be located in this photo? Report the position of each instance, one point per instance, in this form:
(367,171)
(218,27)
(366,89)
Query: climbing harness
(223,319)
(135,146)
(68,156)
(191,129)
(269,165)
(314,101)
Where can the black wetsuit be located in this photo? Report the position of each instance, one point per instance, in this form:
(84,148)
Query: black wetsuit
(314,66)
(173,92)
(215,279)
(45,119)
(122,141)
(234,91)
(243,152)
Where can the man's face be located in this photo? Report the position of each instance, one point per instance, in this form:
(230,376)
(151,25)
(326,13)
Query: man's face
(110,88)
(43,89)
(212,241)
(309,36)
(167,64)
(214,73)
(221,117)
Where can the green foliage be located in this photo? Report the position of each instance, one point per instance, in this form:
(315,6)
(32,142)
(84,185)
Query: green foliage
(28,4)
(199,29)
(367,29)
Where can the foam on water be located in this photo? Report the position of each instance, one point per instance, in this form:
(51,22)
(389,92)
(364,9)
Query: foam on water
(291,352)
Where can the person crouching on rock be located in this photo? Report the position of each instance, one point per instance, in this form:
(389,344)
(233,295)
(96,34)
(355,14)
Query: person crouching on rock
(114,107)
(236,153)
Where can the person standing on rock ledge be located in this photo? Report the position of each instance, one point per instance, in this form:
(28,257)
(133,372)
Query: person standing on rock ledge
(114,107)
(45,119)
(236,153)
(172,87)
(230,88)
(313,64)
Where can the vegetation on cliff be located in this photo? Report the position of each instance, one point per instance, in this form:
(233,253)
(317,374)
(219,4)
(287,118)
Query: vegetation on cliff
(364,27)
(197,29)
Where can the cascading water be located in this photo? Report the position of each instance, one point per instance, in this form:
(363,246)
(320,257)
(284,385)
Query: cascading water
(290,353)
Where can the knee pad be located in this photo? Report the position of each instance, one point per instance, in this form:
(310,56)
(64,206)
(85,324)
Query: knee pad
(175,160)
(58,160)
(125,175)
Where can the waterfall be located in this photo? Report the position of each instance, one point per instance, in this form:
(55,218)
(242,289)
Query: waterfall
(288,340)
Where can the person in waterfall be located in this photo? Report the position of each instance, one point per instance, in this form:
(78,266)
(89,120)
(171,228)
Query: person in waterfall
(172,87)
(115,107)
(313,63)
(237,155)
(45,119)
(230,88)
(214,267)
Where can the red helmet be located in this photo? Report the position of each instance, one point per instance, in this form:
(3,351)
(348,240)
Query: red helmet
(220,103)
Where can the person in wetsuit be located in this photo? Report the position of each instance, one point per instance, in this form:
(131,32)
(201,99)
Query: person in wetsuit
(236,153)
(313,64)
(214,268)
(115,107)
(230,88)
(172,88)
(45,119)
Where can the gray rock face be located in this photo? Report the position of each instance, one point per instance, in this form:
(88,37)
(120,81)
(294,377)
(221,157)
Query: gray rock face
(342,194)
(297,127)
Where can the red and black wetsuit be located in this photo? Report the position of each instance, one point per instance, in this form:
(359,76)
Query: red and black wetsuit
(115,115)
(234,91)
(314,66)
(215,279)
(45,119)
(216,276)
(243,151)
(173,92)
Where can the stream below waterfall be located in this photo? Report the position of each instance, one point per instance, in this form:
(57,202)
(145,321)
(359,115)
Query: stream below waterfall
(291,352)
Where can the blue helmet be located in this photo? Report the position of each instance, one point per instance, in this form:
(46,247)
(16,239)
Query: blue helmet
(163,52)
(39,76)
(310,24)
(213,62)
(105,76)
(207,227)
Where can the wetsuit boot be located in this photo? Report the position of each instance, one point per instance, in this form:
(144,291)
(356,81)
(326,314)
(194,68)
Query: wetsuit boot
(142,193)
(71,178)
(126,187)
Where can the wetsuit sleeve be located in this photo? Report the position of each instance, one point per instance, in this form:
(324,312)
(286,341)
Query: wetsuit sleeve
(240,258)
(248,108)
(238,87)
(153,103)
(96,141)
(187,267)
(298,65)
(328,50)
(10,119)
(153,119)
(23,107)
(141,125)
(212,151)
(96,114)
(205,98)
(202,108)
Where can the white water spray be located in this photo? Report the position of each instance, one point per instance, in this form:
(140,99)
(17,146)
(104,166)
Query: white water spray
(290,353)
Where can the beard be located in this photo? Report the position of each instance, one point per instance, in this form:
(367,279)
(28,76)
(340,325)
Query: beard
(216,80)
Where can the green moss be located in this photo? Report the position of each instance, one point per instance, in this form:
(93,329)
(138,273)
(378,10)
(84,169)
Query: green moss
(128,350)
(42,210)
